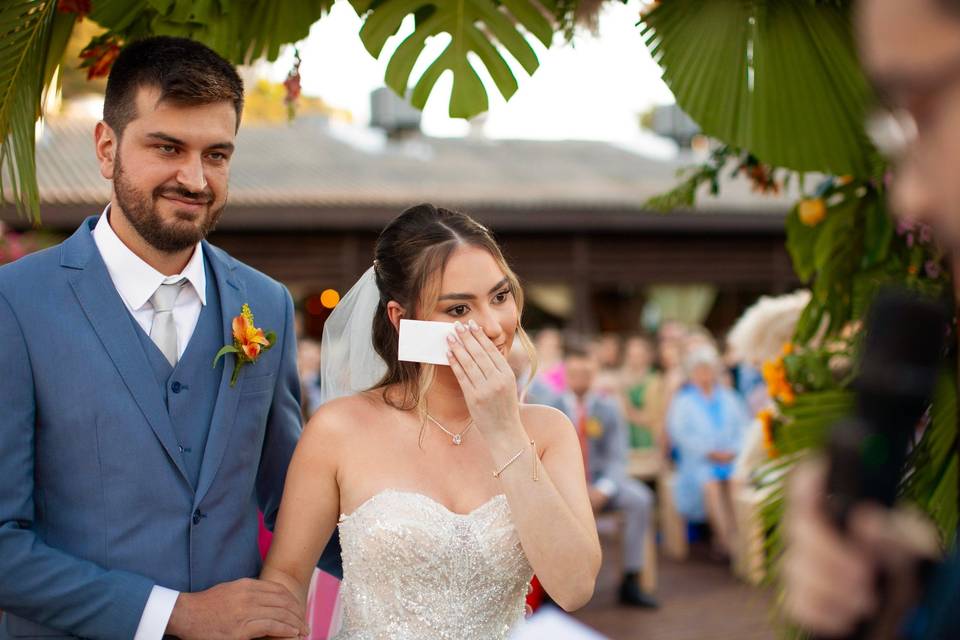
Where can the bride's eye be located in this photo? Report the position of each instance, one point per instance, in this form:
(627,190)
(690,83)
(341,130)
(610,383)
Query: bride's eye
(458,311)
(501,297)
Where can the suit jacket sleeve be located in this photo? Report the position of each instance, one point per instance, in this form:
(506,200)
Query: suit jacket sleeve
(38,582)
(616,442)
(284,424)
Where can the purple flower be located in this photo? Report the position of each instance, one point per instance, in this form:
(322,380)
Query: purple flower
(903,228)
(933,269)
(910,240)
(926,234)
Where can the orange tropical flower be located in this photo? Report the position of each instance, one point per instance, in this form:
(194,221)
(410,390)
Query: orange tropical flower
(246,336)
(248,342)
(775,375)
(766,419)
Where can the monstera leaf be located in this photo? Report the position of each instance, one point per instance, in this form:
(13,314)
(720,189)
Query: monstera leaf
(474,26)
(778,77)
(33,36)
(239,30)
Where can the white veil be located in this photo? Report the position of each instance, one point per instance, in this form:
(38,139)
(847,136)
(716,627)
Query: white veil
(348,362)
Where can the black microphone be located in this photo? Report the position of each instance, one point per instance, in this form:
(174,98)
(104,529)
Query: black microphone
(902,353)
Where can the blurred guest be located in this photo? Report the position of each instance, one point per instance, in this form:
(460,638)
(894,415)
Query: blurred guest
(642,392)
(532,388)
(673,377)
(549,345)
(759,336)
(606,350)
(604,442)
(706,422)
(308,364)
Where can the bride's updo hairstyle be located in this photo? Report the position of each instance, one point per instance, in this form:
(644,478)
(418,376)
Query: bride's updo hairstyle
(409,259)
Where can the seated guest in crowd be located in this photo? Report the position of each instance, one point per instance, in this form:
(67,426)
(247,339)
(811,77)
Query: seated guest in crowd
(706,422)
(603,439)
(308,365)
(549,346)
(531,389)
(642,393)
(606,350)
(670,350)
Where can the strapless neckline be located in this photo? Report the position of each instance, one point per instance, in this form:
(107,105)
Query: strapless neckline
(385,493)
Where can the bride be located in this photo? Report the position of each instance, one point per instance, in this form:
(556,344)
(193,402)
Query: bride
(449,494)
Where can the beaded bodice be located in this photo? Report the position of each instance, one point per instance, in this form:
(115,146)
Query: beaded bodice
(414,570)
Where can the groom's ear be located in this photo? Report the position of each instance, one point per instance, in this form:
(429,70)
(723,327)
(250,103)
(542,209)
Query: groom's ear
(106,145)
(395,312)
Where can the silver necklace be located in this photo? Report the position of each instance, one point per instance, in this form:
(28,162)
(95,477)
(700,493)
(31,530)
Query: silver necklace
(456,437)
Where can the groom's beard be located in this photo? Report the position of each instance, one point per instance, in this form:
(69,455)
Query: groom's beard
(141,210)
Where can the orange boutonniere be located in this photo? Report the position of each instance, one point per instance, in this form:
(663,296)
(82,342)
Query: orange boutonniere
(248,342)
(594,428)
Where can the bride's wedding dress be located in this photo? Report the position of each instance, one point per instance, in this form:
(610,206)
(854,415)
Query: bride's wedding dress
(414,570)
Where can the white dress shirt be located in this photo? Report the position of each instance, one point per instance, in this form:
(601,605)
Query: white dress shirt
(136,281)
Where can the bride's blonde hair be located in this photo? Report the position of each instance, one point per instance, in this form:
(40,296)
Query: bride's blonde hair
(410,256)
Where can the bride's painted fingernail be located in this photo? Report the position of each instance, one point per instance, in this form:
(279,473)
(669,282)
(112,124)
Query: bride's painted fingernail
(451,339)
(474,325)
(459,326)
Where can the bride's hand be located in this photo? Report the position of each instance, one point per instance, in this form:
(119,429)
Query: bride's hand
(488,383)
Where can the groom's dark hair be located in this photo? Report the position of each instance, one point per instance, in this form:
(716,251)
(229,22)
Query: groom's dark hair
(186,73)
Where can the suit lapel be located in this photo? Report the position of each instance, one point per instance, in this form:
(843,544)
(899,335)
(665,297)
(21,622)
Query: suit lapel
(232,298)
(110,319)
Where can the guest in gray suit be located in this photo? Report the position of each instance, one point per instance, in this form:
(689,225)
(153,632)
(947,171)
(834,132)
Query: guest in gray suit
(132,468)
(603,434)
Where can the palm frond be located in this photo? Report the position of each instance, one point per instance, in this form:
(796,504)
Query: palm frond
(32,38)
(931,482)
(780,79)
(475,27)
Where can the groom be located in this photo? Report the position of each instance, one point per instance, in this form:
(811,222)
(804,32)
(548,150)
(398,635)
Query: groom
(132,469)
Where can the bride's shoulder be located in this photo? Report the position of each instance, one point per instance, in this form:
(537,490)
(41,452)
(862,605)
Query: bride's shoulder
(342,417)
(543,422)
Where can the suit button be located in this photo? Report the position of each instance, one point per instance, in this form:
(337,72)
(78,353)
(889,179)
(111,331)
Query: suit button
(196,517)
(176,387)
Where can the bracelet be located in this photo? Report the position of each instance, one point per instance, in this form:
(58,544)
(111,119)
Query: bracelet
(516,456)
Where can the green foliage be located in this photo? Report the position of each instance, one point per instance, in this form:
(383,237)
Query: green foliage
(239,30)
(474,26)
(709,174)
(33,36)
(780,79)
(34,33)
(853,253)
(932,482)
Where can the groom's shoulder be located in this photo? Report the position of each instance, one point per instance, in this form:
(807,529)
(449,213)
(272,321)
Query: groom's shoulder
(31,271)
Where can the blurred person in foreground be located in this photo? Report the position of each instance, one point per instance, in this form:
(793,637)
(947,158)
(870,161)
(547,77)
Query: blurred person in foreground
(911,51)
(604,442)
(706,422)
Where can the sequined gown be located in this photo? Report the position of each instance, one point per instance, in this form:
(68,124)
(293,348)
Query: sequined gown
(413,570)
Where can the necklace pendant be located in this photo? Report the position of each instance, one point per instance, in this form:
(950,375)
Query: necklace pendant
(457,439)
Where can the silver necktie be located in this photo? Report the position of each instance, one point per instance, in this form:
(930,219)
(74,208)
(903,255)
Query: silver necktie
(163,331)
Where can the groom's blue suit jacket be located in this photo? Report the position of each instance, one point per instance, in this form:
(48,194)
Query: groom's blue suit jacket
(96,505)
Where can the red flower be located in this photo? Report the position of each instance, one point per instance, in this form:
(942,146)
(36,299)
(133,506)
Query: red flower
(98,56)
(79,7)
